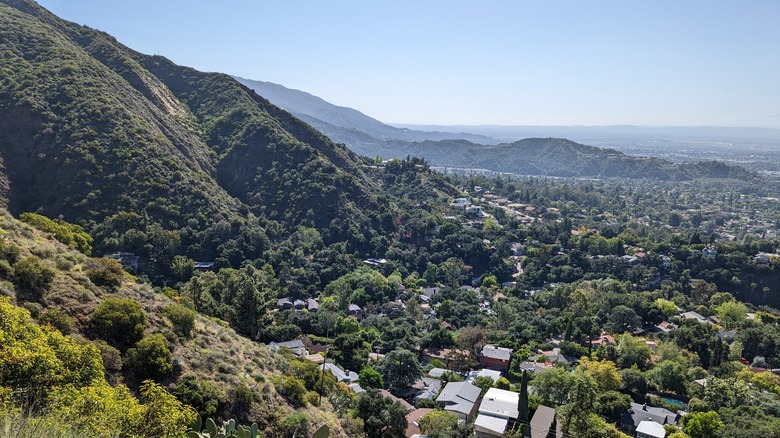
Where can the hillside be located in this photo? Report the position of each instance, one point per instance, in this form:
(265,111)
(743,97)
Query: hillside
(530,156)
(212,354)
(137,147)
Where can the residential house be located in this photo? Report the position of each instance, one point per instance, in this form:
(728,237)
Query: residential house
(299,304)
(431,291)
(495,358)
(493,374)
(341,375)
(356,311)
(726,335)
(284,304)
(296,346)
(204,266)
(709,252)
(650,429)
(666,326)
(543,420)
(127,259)
(427,389)
(356,388)
(497,410)
(630,420)
(400,401)
(459,398)
(316,358)
(693,315)
(535,367)
(312,305)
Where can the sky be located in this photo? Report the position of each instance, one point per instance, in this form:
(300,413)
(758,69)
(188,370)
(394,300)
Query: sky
(501,62)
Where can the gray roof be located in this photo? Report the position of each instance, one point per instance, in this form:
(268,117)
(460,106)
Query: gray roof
(292,345)
(543,419)
(312,304)
(354,308)
(638,413)
(459,397)
(494,352)
(341,375)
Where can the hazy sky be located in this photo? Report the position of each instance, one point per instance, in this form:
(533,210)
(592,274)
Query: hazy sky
(541,62)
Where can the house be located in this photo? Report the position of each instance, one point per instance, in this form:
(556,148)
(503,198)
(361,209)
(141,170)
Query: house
(341,375)
(709,252)
(127,259)
(204,266)
(427,389)
(650,429)
(495,358)
(693,315)
(356,311)
(493,374)
(497,410)
(630,420)
(296,346)
(356,388)
(401,401)
(299,304)
(604,340)
(316,358)
(284,304)
(726,335)
(445,355)
(437,372)
(535,367)
(431,291)
(413,419)
(459,398)
(312,305)
(544,420)
(666,327)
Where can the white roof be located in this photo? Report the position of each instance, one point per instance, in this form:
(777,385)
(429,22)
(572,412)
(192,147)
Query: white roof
(651,428)
(493,374)
(489,423)
(500,403)
(437,372)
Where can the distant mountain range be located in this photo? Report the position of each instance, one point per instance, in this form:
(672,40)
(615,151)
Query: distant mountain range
(485,147)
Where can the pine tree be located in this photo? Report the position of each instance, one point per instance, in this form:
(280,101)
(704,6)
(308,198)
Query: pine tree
(522,404)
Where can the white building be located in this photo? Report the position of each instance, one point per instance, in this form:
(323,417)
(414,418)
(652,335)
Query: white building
(497,409)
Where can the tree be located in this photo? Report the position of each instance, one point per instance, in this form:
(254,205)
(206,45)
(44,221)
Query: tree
(150,358)
(633,380)
(702,424)
(522,402)
(623,319)
(631,351)
(438,422)
(729,392)
(668,376)
(120,322)
(553,385)
(604,372)
(371,378)
(484,383)
(472,339)
(400,369)
(382,417)
(731,313)
(32,278)
(668,308)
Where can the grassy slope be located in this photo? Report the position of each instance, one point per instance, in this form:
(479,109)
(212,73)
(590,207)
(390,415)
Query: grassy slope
(214,352)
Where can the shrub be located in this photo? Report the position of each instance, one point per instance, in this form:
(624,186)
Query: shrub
(296,421)
(70,234)
(313,398)
(32,278)
(292,388)
(244,398)
(120,322)
(150,358)
(182,318)
(198,393)
(57,319)
(105,272)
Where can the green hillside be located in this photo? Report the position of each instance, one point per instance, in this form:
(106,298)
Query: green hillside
(138,149)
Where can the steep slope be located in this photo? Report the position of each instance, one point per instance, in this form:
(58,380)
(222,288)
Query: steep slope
(122,142)
(212,354)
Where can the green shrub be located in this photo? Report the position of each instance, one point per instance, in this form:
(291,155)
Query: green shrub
(198,393)
(296,421)
(150,358)
(58,319)
(32,278)
(292,388)
(244,398)
(120,322)
(70,234)
(112,358)
(182,318)
(105,272)
(313,398)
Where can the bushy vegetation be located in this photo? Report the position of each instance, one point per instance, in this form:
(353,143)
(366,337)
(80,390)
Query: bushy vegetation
(120,322)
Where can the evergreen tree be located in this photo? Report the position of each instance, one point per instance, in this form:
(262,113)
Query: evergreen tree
(522,404)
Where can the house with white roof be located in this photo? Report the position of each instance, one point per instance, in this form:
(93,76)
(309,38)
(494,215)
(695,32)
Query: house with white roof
(341,375)
(497,410)
(650,429)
